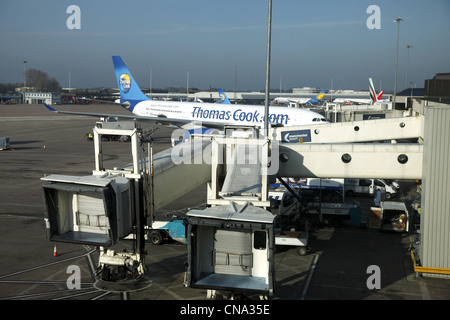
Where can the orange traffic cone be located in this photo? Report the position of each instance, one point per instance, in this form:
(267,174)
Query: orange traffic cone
(55,252)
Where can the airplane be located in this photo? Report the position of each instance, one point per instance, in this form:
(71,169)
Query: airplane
(208,115)
(374,97)
(319,98)
(223,97)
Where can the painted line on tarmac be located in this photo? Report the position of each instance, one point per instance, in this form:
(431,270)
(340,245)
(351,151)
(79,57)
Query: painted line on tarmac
(45,265)
(308,281)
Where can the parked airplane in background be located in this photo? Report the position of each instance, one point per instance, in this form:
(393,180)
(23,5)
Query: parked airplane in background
(223,97)
(374,98)
(209,115)
(315,100)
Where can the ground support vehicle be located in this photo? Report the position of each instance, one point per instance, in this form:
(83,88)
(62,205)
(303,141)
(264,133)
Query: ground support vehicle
(174,229)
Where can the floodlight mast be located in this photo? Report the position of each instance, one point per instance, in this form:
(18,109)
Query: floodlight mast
(407,64)
(398,20)
(267,96)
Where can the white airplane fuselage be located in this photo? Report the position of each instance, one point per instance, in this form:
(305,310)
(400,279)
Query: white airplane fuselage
(220,114)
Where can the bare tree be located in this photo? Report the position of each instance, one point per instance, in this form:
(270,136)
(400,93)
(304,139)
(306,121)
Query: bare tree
(41,81)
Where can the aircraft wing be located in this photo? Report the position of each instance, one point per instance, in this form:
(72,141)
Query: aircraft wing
(156,119)
(104,101)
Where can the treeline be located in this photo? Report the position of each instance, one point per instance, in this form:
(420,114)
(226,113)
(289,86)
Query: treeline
(36,80)
(41,81)
(9,87)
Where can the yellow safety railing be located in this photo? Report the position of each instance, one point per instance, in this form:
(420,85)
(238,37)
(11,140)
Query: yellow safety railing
(421,269)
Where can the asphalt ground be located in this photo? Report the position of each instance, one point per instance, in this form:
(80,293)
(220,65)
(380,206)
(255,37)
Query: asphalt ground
(336,267)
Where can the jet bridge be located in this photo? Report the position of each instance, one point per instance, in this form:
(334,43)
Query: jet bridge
(353,149)
(119,191)
(394,129)
(346,150)
(328,160)
(109,205)
(237,192)
(216,263)
(242,157)
(231,244)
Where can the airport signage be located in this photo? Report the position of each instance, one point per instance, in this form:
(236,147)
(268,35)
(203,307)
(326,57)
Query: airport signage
(297,136)
(374,116)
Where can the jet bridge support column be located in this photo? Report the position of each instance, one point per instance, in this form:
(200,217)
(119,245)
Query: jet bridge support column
(137,175)
(246,163)
(115,128)
(432,253)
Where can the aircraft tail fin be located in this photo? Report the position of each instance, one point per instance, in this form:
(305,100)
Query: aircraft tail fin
(380,95)
(321,94)
(373,94)
(317,99)
(128,87)
(223,97)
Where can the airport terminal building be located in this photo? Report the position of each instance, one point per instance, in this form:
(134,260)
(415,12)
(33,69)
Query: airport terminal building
(7,97)
(41,97)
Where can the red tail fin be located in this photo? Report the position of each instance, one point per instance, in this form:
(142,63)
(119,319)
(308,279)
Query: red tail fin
(380,95)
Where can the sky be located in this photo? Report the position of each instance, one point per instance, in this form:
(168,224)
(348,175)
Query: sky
(320,43)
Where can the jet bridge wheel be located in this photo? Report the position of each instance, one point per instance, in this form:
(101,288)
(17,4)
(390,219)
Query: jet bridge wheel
(302,251)
(155,238)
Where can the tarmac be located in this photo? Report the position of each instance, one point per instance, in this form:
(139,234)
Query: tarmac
(339,265)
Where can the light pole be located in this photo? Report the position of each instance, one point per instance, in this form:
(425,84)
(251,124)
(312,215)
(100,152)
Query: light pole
(24,81)
(187,84)
(413,86)
(151,80)
(266,103)
(281,83)
(407,64)
(398,20)
(235,80)
(24,76)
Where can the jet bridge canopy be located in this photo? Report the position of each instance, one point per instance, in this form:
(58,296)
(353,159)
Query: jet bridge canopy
(355,131)
(380,160)
(231,247)
(86,210)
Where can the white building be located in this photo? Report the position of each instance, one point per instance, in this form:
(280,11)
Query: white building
(42,97)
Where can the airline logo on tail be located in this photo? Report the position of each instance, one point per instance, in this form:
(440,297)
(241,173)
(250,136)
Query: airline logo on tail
(317,99)
(380,95)
(128,87)
(321,94)
(223,97)
(373,94)
(374,97)
(125,83)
